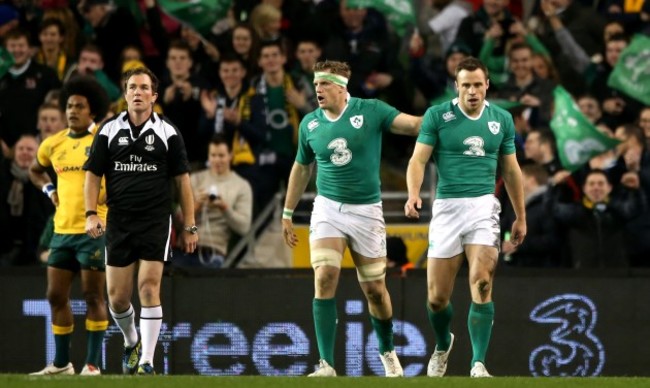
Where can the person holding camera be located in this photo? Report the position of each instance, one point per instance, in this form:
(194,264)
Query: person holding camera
(223,207)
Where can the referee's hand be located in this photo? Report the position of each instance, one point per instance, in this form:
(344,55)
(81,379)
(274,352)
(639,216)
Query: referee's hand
(189,241)
(94,226)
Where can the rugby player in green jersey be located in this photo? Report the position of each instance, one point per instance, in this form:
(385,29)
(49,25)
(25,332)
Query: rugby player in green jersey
(466,137)
(343,138)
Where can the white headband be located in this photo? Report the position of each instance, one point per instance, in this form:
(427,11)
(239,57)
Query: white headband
(333,78)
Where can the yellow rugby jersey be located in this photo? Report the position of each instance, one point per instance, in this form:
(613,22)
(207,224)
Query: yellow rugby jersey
(67,152)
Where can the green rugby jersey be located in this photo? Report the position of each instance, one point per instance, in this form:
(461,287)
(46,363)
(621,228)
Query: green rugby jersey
(347,150)
(466,149)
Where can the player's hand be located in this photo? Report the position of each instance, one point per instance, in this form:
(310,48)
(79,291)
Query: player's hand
(94,226)
(288,234)
(518,232)
(55,199)
(412,207)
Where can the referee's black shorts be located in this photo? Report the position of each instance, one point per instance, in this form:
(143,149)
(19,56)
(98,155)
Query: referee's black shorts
(130,238)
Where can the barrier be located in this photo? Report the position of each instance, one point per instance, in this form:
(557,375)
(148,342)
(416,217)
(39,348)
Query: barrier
(548,323)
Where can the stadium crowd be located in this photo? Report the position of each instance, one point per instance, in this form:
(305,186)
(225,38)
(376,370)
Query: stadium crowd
(249,81)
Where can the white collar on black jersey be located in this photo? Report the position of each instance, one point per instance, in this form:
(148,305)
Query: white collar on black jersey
(152,117)
(485,104)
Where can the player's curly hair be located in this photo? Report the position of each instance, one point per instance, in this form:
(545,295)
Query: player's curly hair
(334,67)
(88,87)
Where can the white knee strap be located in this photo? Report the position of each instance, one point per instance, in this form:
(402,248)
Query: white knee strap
(371,272)
(325,256)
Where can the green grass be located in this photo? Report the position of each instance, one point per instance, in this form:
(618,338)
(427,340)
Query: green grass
(115,381)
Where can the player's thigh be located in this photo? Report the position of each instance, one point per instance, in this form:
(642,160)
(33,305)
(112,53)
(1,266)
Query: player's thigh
(59,285)
(150,273)
(371,273)
(93,283)
(119,282)
(63,252)
(325,221)
(366,230)
(482,260)
(441,277)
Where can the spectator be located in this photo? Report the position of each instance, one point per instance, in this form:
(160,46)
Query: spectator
(223,206)
(596,226)
(526,88)
(365,44)
(113,28)
(221,106)
(22,91)
(91,62)
(450,13)
(270,113)
(566,19)
(644,123)
(541,246)
(24,210)
(473,28)
(50,120)
(52,53)
(308,52)
(245,44)
(181,100)
(590,108)
(544,68)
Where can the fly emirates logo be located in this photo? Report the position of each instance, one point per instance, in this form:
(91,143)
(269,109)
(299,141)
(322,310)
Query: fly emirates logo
(135,164)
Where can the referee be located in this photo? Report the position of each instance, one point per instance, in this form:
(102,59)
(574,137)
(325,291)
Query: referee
(138,152)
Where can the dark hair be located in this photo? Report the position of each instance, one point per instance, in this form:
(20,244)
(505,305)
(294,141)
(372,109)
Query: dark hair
(596,171)
(180,44)
(49,22)
(537,171)
(17,33)
(92,48)
(141,70)
(471,64)
(219,139)
(272,43)
(634,131)
(519,46)
(232,57)
(88,87)
(546,136)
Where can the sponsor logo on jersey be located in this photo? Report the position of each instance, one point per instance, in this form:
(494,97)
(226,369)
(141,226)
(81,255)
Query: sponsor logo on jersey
(139,167)
(356,121)
(123,141)
(312,125)
(494,127)
(448,116)
(149,139)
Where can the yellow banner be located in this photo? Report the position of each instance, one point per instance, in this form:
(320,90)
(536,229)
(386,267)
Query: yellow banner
(415,236)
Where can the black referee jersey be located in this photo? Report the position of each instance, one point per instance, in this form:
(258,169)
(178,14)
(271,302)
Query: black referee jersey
(138,166)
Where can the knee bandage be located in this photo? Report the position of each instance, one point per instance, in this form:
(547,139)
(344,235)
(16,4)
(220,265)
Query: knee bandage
(325,256)
(371,272)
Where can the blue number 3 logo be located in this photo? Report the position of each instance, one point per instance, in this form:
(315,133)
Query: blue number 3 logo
(573,349)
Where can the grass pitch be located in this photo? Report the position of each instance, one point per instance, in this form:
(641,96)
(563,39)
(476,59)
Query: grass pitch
(113,381)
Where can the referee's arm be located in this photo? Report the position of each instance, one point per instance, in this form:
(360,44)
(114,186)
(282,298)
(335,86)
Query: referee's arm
(187,207)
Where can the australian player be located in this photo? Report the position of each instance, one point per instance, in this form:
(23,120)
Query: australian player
(72,251)
(343,138)
(466,136)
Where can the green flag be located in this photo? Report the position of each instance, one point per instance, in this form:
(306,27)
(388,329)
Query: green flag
(631,75)
(399,13)
(578,140)
(6,61)
(198,14)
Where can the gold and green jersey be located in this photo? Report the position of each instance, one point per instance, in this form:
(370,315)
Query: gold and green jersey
(466,149)
(347,150)
(66,152)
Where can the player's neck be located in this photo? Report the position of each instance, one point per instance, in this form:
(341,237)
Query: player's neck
(138,118)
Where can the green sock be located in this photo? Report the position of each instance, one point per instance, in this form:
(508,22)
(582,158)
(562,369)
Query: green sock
(479,323)
(325,321)
(441,323)
(384,331)
(62,344)
(94,347)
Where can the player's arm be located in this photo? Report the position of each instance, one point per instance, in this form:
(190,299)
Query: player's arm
(187,207)
(298,180)
(415,176)
(511,174)
(40,179)
(405,124)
